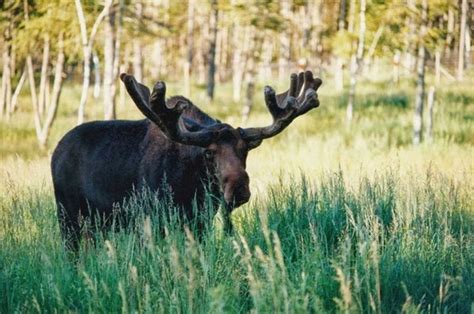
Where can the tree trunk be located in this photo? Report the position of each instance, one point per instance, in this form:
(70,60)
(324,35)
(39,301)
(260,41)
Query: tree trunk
(138,60)
(396,67)
(356,63)
(341,20)
(420,83)
(408,60)
(57,88)
(467,49)
(137,44)
(123,68)
(222,65)
(13,60)
(158,59)
(96,63)
(239,40)
(109,54)
(351,20)
(34,99)
(44,76)
(371,51)
(6,91)
(190,49)
(462,40)
(285,44)
(338,74)
(87,44)
(212,50)
(116,65)
(450,33)
(249,96)
(437,66)
(218,60)
(18,88)
(250,73)
(431,104)
(267,53)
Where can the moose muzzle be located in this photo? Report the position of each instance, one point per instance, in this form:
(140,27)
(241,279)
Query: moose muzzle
(236,190)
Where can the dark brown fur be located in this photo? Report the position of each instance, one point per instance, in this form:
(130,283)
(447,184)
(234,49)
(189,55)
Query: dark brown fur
(98,164)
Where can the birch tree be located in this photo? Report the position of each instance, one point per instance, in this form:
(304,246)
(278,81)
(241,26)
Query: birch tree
(109,60)
(87,45)
(6,88)
(356,62)
(462,40)
(188,58)
(211,78)
(420,82)
(137,44)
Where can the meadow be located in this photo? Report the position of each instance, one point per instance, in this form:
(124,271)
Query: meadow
(342,219)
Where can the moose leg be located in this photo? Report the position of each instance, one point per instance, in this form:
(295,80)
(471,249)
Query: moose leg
(70,229)
(68,209)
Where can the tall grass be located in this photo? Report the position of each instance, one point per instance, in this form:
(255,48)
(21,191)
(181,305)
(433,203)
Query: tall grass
(381,246)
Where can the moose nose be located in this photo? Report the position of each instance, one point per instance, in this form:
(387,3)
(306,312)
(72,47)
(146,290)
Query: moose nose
(237,194)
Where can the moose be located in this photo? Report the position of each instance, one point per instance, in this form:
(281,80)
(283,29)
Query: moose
(98,164)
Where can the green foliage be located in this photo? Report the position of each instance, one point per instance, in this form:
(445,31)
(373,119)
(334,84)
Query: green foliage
(47,19)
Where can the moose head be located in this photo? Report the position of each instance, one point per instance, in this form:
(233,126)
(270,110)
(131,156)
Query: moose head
(223,147)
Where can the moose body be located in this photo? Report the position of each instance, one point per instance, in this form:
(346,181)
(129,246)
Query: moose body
(99,164)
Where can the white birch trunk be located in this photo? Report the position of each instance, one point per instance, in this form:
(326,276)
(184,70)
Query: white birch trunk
(18,88)
(237,69)
(56,92)
(339,74)
(356,63)
(462,41)
(420,83)
(437,66)
(396,67)
(109,45)
(137,44)
(34,99)
(450,33)
(87,44)
(431,104)
(188,59)
(44,76)
(211,77)
(97,79)
(6,92)
(285,44)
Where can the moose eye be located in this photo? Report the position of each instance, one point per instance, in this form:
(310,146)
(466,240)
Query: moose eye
(209,154)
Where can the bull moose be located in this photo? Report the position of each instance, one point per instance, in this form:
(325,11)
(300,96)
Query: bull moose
(99,164)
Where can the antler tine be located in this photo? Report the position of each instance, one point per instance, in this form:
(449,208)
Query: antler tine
(166,115)
(284,107)
(296,84)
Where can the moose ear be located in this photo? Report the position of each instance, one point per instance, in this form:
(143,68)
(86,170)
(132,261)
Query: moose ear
(253,144)
(250,144)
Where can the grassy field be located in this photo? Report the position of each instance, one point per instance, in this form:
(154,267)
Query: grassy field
(341,219)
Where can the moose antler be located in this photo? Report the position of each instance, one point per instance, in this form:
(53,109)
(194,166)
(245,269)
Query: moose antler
(285,107)
(167,115)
